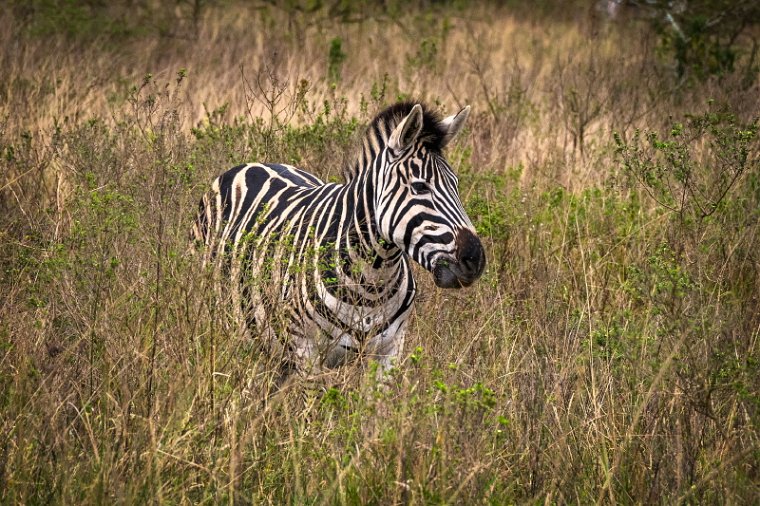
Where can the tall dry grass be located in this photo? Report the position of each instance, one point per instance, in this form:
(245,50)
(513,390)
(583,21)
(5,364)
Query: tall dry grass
(609,354)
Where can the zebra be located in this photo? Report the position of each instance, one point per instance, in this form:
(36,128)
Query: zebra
(321,271)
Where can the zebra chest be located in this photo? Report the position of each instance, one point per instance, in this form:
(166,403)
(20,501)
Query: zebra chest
(328,299)
(361,302)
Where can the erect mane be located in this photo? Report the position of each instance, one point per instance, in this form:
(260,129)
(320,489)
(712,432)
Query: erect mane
(433,132)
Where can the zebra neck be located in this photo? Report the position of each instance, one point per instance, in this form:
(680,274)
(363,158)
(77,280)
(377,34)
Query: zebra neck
(365,270)
(365,235)
(376,252)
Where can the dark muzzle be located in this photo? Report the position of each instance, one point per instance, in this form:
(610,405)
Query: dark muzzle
(466,268)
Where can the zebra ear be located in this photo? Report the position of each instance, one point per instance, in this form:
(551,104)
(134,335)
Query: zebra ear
(453,124)
(408,130)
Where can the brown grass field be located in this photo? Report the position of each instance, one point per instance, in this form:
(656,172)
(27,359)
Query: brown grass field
(609,354)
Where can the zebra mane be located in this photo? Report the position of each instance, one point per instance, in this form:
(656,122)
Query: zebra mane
(433,132)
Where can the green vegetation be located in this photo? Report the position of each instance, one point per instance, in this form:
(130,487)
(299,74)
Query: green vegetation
(610,353)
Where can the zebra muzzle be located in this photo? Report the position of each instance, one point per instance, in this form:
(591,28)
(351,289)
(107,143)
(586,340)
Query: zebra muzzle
(467,265)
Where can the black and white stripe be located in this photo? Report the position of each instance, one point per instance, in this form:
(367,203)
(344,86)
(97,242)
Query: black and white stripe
(322,270)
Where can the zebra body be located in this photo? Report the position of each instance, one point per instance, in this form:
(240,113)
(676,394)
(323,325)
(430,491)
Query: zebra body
(321,270)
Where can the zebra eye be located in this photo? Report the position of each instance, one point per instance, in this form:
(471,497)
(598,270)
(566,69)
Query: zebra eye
(420,188)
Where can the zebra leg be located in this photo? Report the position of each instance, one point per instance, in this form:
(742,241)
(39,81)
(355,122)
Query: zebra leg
(297,366)
(300,351)
(387,347)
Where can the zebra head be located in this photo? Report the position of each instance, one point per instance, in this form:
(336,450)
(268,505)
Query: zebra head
(417,199)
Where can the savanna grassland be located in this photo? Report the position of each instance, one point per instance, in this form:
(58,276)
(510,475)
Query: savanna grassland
(609,354)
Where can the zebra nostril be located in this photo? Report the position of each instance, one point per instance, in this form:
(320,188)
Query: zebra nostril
(472,257)
(470,262)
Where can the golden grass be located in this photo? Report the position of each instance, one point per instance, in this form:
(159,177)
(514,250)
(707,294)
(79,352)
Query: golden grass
(609,354)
